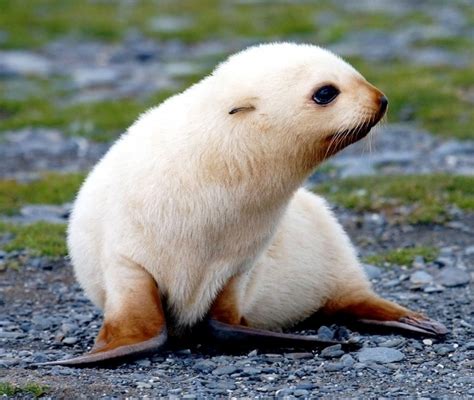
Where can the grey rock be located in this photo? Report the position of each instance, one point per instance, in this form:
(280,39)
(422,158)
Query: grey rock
(445,261)
(34,150)
(39,358)
(23,63)
(222,385)
(144,363)
(250,371)
(95,76)
(380,354)
(299,356)
(469,345)
(347,361)
(9,362)
(11,335)
(39,212)
(332,351)
(443,350)
(452,276)
(300,393)
(392,342)
(143,385)
(433,288)
(226,370)
(334,366)
(325,333)
(70,340)
(418,262)
(468,251)
(372,271)
(420,279)
(283,393)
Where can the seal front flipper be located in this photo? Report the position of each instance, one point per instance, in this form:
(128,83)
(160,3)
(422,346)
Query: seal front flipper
(239,336)
(114,356)
(134,323)
(227,328)
(372,310)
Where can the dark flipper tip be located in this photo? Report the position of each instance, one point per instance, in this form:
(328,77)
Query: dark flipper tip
(114,356)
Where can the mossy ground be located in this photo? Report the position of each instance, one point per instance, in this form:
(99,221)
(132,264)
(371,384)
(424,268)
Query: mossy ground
(32,24)
(50,189)
(436,98)
(30,389)
(40,238)
(403,256)
(427,198)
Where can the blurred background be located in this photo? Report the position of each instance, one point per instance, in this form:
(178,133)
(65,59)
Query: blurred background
(75,74)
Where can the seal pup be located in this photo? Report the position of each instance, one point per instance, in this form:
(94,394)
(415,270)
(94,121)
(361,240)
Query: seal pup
(186,201)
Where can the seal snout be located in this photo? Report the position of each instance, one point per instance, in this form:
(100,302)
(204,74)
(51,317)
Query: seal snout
(383,104)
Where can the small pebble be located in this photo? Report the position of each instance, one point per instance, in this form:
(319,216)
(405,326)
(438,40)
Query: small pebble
(325,333)
(226,370)
(299,356)
(380,354)
(70,340)
(452,276)
(334,366)
(332,351)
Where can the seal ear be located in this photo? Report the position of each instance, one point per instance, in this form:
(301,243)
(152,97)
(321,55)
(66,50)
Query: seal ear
(243,108)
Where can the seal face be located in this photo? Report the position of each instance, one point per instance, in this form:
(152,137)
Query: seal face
(299,93)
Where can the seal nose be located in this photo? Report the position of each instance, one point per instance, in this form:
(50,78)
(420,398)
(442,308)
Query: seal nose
(383,104)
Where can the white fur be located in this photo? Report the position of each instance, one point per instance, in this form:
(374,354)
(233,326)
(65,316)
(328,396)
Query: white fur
(310,261)
(194,195)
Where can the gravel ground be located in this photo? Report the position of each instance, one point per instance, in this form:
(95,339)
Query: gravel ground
(45,316)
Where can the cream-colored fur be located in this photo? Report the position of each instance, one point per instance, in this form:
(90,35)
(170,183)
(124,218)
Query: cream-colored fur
(194,195)
(310,261)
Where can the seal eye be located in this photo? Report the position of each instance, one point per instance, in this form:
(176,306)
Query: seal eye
(325,95)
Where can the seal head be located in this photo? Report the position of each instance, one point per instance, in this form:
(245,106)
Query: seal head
(301,95)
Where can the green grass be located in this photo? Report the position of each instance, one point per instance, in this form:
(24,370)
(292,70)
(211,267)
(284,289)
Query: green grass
(34,389)
(34,23)
(99,121)
(403,256)
(436,98)
(427,197)
(50,189)
(41,238)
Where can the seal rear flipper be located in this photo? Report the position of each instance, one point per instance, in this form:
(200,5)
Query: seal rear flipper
(372,310)
(411,324)
(134,322)
(242,336)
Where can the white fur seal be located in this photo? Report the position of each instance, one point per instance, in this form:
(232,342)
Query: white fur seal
(197,207)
